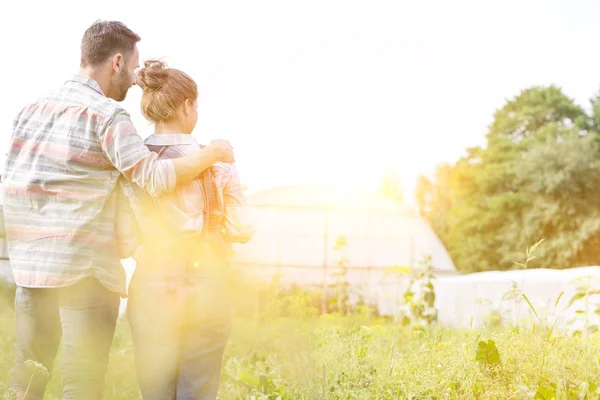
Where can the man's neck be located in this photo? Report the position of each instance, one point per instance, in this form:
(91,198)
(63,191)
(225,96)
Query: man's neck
(99,76)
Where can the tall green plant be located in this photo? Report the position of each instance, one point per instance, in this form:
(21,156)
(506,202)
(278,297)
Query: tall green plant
(419,296)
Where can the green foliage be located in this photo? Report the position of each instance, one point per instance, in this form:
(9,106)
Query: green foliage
(391,186)
(585,288)
(546,391)
(352,357)
(487,353)
(337,357)
(341,287)
(538,176)
(254,377)
(419,296)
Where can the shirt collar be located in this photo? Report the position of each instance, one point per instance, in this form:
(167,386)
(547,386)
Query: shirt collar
(171,139)
(87,81)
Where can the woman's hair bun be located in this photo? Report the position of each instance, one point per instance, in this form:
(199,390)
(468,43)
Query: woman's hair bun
(152,76)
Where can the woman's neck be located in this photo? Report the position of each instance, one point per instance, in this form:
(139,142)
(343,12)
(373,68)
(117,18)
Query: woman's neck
(169,127)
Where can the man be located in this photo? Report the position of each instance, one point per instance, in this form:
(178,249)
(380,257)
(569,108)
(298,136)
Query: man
(67,152)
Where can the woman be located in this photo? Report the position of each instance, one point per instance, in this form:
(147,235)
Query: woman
(178,302)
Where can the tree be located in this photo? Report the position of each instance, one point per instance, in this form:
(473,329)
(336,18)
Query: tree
(537,177)
(391,186)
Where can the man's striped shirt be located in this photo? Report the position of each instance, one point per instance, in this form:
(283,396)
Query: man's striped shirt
(67,153)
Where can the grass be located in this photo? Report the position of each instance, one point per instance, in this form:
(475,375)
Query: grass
(363,357)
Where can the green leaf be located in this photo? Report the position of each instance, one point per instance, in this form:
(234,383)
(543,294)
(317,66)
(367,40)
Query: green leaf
(398,270)
(575,297)
(478,388)
(249,379)
(532,308)
(521,265)
(545,393)
(558,299)
(340,242)
(487,353)
(362,352)
(552,328)
(532,249)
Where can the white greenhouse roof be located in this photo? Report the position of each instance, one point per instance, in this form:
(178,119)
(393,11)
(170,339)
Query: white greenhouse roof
(298,226)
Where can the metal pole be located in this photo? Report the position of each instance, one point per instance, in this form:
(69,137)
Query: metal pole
(325,253)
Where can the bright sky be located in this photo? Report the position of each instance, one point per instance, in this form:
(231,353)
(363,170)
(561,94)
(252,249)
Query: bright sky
(320,91)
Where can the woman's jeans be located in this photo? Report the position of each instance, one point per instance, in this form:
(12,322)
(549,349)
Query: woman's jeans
(180,320)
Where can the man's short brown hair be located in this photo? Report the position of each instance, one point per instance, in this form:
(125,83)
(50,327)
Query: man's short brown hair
(104,39)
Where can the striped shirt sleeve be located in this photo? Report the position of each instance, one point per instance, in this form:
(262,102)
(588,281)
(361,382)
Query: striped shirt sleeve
(126,151)
(238,226)
(16,120)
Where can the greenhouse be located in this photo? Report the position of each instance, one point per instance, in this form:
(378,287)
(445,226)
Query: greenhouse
(302,230)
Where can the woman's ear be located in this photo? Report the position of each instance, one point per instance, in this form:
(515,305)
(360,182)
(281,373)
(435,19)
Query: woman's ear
(188,106)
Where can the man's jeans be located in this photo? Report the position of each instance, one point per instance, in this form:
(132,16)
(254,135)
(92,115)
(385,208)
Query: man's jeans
(85,315)
(180,322)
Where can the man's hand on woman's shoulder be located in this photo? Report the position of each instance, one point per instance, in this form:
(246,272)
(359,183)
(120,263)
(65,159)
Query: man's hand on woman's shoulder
(221,150)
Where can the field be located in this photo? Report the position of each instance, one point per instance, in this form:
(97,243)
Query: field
(288,351)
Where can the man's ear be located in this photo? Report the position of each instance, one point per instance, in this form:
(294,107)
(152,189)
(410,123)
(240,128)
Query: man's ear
(118,62)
